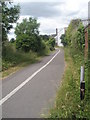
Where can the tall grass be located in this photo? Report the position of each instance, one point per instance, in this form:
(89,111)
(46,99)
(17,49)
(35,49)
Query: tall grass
(12,57)
(68,104)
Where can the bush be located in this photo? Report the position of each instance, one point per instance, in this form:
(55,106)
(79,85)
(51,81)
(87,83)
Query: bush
(11,57)
(44,50)
(51,43)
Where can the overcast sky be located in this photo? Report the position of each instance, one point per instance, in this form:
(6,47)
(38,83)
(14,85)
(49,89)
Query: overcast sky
(52,14)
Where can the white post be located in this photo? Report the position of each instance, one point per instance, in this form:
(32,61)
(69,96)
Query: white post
(82,84)
(82,74)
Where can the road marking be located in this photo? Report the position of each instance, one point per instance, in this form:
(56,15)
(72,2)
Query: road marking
(26,81)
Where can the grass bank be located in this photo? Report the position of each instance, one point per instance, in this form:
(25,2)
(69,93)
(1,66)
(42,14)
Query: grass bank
(68,104)
(14,60)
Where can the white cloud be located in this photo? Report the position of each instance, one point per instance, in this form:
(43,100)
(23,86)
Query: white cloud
(37,1)
(48,25)
(70,9)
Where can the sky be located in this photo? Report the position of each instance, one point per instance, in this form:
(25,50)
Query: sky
(52,14)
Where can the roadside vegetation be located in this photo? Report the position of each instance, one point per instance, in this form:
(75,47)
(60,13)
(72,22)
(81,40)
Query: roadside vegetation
(29,45)
(68,104)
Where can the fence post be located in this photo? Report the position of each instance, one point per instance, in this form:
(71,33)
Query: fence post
(82,84)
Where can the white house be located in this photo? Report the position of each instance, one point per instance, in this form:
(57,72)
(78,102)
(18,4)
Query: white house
(59,32)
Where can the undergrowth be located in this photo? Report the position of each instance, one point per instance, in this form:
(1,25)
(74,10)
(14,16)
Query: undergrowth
(11,57)
(68,104)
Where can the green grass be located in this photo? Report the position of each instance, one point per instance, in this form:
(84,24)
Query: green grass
(13,60)
(13,57)
(68,104)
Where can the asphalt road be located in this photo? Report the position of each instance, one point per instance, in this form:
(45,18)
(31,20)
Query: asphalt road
(30,92)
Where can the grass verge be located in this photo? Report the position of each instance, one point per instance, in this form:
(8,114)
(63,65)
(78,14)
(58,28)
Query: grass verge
(14,60)
(12,68)
(68,104)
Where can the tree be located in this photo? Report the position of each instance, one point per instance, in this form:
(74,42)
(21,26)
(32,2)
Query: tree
(27,27)
(10,14)
(71,30)
(44,37)
(51,43)
(27,35)
(80,37)
(12,40)
(63,40)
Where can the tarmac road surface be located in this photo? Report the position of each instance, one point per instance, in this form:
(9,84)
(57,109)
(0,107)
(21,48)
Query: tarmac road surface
(31,92)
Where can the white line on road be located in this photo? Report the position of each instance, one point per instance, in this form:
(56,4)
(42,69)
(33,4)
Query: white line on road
(26,81)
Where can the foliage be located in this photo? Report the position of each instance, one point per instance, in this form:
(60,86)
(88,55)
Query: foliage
(51,43)
(68,104)
(89,61)
(44,37)
(12,40)
(28,44)
(74,37)
(11,57)
(10,14)
(80,37)
(71,30)
(28,27)
(63,40)
(27,36)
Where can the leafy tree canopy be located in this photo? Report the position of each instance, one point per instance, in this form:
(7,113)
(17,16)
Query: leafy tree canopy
(44,37)
(72,28)
(10,14)
(27,27)
(74,35)
(51,43)
(63,40)
(27,35)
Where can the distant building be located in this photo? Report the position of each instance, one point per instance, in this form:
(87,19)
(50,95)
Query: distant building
(59,32)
